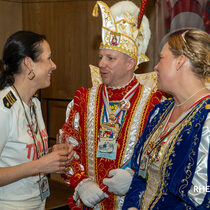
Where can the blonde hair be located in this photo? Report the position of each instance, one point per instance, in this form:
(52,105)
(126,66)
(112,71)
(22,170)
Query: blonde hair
(194,44)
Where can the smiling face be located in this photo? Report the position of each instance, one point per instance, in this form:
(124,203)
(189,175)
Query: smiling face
(44,66)
(115,67)
(166,70)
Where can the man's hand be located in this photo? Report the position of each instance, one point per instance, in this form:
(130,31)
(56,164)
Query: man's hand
(90,194)
(119,182)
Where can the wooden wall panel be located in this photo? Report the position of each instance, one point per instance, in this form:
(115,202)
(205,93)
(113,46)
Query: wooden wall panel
(10,20)
(74,36)
(65,25)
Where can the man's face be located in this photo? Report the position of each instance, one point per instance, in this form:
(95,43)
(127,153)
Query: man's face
(114,67)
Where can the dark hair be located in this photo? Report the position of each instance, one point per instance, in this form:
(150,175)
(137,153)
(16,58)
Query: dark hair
(18,46)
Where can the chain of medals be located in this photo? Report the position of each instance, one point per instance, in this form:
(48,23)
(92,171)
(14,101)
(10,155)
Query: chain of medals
(151,150)
(123,105)
(34,127)
(110,128)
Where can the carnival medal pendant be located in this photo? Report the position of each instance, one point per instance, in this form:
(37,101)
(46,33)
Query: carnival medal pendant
(112,119)
(124,104)
(108,136)
(107,145)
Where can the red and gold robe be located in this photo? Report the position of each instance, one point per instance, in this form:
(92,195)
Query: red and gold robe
(82,126)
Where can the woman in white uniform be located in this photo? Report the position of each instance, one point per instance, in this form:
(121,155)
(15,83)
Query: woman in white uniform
(26,66)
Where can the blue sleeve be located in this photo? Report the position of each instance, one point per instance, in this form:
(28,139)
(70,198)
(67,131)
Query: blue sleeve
(138,185)
(132,198)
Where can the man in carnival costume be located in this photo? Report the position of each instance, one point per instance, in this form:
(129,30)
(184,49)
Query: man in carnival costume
(103,123)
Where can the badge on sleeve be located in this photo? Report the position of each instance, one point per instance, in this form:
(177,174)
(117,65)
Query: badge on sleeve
(9,100)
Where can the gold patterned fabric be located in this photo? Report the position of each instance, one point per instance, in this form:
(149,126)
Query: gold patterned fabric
(120,31)
(83,124)
(177,172)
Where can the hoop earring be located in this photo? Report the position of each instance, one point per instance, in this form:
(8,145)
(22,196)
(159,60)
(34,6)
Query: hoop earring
(31,75)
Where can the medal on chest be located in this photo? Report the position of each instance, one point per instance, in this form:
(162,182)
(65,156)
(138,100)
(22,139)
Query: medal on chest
(152,151)
(112,120)
(108,134)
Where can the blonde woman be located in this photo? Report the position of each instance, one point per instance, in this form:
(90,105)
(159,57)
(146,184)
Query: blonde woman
(171,158)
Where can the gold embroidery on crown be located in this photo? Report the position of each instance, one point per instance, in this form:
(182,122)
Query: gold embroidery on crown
(132,41)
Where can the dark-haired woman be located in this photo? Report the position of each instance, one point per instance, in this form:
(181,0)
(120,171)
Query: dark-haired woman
(26,66)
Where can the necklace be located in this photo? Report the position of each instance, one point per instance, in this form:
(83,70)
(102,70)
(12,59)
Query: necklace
(124,103)
(31,125)
(190,97)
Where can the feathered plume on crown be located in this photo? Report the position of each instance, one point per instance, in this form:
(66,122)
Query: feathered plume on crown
(141,13)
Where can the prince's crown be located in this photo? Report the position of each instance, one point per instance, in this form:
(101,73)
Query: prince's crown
(120,29)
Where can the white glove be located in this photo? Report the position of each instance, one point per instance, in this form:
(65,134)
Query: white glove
(90,194)
(120,181)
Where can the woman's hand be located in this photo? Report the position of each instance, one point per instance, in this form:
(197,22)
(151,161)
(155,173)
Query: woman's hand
(56,161)
(65,146)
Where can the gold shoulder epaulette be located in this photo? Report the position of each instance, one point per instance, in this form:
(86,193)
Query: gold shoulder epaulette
(9,100)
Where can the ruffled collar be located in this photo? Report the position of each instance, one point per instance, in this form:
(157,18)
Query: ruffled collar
(117,93)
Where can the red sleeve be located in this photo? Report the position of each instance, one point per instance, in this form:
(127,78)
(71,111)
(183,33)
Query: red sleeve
(76,172)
